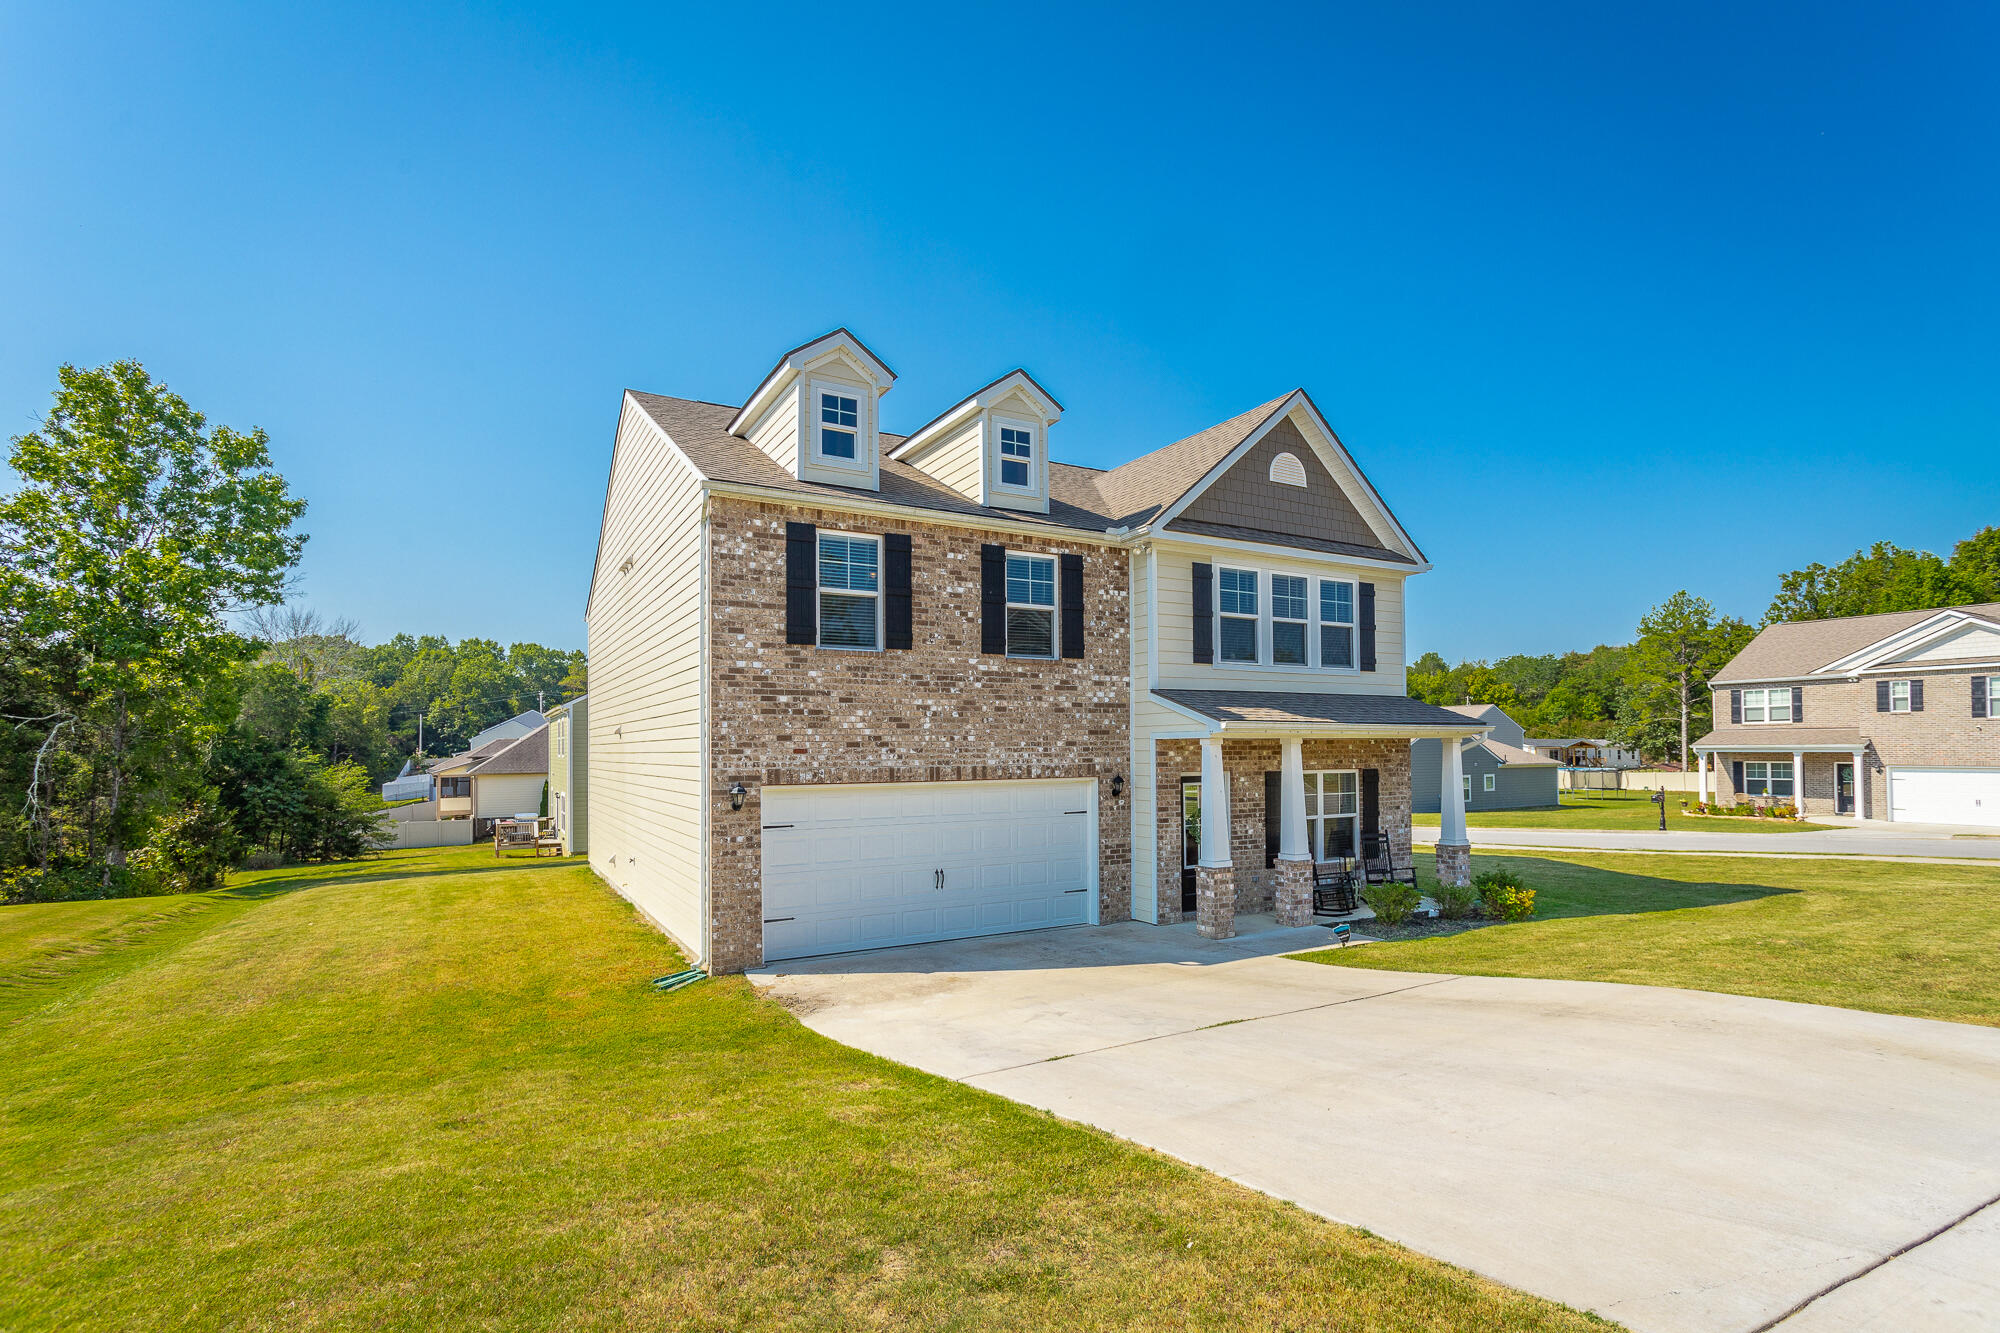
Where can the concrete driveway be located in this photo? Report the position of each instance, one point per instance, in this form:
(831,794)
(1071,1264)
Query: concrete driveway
(1671,1159)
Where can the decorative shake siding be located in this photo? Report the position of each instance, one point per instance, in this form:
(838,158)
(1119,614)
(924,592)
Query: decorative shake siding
(940,711)
(644,624)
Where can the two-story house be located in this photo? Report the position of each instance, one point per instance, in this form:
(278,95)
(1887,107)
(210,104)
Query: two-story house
(1892,717)
(852,689)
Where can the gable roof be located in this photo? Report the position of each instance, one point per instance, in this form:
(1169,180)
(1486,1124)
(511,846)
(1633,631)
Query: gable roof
(841,338)
(971,400)
(1795,648)
(1139,491)
(528,754)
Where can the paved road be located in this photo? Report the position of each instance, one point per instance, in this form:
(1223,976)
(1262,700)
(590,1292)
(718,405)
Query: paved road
(1842,842)
(1674,1160)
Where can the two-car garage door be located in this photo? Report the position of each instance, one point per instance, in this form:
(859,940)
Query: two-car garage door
(864,867)
(1945,795)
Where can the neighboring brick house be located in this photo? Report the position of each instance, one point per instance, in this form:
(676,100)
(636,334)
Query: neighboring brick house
(852,689)
(1893,717)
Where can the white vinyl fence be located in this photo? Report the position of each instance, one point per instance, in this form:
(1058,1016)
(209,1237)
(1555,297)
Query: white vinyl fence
(428,833)
(1625,779)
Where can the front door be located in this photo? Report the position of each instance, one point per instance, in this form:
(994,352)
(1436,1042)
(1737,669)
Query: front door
(1190,839)
(1843,789)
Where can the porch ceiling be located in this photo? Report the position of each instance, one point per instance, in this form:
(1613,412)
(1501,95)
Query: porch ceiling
(1277,712)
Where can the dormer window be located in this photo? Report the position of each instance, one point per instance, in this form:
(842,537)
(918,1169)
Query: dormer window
(840,419)
(1017,457)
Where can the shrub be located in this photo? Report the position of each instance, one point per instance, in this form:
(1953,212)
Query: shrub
(62,884)
(1784,812)
(1392,902)
(262,858)
(189,851)
(1503,895)
(1455,901)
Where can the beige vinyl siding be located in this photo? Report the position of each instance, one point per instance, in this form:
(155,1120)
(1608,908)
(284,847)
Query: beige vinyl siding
(777,431)
(1179,670)
(644,735)
(506,794)
(1970,642)
(958,461)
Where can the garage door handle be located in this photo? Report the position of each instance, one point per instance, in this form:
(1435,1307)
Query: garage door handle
(780,826)
(774,920)
(1076,812)
(1076,890)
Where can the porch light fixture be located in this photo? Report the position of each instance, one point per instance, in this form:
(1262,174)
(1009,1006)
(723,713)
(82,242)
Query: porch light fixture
(736,795)
(1117,786)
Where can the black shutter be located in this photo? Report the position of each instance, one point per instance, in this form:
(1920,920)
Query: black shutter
(1979,696)
(1371,803)
(1071,596)
(1736,777)
(1798,703)
(1367,627)
(1916,696)
(896,589)
(993,599)
(801,583)
(1274,803)
(1881,696)
(1736,706)
(1204,612)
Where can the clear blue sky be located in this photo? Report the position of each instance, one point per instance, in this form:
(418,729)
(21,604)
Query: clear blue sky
(1607,301)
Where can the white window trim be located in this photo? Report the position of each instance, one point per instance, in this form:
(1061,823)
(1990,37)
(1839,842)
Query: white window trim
(1054,608)
(1764,704)
(819,590)
(1491,781)
(1906,696)
(1313,623)
(863,435)
(1037,455)
(1257,622)
(1769,765)
(1316,797)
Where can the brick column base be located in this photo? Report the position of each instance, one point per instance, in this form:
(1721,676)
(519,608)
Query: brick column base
(1295,893)
(1454,864)
(1215,902)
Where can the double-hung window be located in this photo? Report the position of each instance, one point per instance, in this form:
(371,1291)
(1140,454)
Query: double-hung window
(1489,783)
(850,591)
(1768,705)
(1333,815)
(1237,603)
(1336,623)
(1899,696)
(1031,605)
(1017,457)
(1289,612)
(839,424)
(1767,779)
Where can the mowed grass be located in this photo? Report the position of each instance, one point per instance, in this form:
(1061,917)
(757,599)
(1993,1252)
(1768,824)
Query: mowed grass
(1897,938)
(435,1091)
(1622,810)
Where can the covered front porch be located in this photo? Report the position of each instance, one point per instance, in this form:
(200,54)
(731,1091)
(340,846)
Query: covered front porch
(1262,786)
(1817,770)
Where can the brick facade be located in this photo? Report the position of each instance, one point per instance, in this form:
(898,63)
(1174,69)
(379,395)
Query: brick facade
(1943,735)
(1246,762)
(940,711)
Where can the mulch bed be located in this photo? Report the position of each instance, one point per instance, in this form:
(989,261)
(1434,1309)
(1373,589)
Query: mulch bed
(1417,928)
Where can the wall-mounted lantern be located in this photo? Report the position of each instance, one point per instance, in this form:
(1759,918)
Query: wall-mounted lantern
(1117,786)
(736,795)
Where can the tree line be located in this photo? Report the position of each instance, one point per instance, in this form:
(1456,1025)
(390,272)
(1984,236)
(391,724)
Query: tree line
(1652,695)
(164,715)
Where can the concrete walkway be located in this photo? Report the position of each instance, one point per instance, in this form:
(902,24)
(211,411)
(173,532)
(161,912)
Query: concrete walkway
(1900,844)
(1676,1161)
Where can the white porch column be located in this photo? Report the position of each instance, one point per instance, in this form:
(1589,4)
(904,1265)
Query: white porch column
(1861,784)
(1701,759)
(1292,803)
(1798,782)
(1215,879)
(1451,822)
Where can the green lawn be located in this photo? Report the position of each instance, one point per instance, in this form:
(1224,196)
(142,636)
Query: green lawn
(1894,937)
(1620,810)
(434,1091)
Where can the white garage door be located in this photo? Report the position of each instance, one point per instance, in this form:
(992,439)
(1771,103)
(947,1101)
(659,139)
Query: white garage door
(864,867)
(1945,795)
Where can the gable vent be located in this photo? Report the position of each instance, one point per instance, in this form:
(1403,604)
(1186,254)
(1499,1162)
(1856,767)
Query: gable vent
(1287,470)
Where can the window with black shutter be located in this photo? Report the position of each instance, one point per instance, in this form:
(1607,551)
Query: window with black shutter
(1736,706)
(1368,627)
(1204,612)
(801,583)
(1982,697)
(1273,807)
(993,599)
(896,611)
(1071,576)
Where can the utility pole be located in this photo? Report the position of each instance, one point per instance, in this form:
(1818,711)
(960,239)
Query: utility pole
(540,702)
(420,733)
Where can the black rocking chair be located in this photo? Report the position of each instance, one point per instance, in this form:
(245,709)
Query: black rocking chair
(1379,864)
(1335,891)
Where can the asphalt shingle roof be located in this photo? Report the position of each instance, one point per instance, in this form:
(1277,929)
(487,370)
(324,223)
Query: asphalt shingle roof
(1810,738)
(528,754)
(1278,707)
(1799,647)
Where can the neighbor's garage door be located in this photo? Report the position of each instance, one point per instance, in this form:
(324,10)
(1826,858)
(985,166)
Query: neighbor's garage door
(1945,795)
(863,867)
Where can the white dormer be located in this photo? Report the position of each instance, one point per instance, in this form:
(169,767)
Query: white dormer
(993,447)
(818,414)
